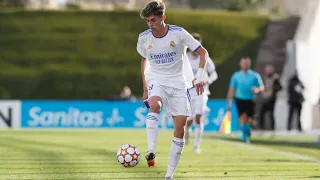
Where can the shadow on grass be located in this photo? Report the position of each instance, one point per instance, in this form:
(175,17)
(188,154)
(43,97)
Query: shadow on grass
(96,151)
(283,160)
(280,143)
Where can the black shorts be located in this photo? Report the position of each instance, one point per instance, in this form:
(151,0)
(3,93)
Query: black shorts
(245,106)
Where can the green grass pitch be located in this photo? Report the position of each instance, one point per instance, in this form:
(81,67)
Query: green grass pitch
(91,154)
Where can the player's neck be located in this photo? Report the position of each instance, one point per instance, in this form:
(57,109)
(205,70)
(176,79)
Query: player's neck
(162,31)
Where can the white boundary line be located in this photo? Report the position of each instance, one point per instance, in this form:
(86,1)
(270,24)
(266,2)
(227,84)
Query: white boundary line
(263,149)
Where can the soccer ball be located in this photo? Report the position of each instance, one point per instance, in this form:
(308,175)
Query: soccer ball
(128,155)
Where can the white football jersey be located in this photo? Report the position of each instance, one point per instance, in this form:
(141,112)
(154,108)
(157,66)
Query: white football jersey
(167,62)
(209,69)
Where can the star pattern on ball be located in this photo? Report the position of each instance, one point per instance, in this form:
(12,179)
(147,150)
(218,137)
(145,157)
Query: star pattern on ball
(135,156)
(126,164)
(123,152)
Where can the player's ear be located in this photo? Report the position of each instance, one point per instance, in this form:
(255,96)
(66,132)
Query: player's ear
(164,17)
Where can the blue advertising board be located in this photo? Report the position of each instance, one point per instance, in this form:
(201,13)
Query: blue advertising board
(107,114)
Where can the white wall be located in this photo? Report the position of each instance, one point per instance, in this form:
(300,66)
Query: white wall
(303,54)
(308,63)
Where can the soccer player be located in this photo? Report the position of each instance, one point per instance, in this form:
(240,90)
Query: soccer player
(164,81)
(244,85)
(199,103)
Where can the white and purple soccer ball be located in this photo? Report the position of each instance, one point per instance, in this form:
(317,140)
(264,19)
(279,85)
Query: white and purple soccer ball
(128,156)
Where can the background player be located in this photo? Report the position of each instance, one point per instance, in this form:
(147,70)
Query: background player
(199,102)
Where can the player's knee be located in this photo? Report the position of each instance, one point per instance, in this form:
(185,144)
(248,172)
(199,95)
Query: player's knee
(243,118)
(155,108)
(189,122)
(198,119)
(179,132)
(155,105)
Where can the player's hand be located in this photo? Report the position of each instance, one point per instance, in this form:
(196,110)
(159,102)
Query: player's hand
(255,90)
(228,106)
(198,81)
(145,94)
(229,102)
(199,86)
(145,99)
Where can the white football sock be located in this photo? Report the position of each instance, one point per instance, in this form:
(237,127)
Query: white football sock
(198,134)
(174,156)
(152,130)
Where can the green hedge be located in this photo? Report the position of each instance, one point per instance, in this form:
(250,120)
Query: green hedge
(89,55)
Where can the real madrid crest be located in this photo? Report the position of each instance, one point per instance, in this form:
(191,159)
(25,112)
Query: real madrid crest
(172,44)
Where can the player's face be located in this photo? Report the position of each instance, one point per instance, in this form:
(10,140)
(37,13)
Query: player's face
(268,70)
(155,23)
(245,64)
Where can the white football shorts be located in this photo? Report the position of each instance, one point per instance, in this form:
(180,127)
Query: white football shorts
(176,101)
(198,102)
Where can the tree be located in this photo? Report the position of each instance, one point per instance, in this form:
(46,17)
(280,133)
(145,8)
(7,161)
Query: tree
(13,3)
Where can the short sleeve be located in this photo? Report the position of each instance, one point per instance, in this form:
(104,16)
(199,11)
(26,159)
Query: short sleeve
(141,49)
(189,41)
(259,80)
(233,82)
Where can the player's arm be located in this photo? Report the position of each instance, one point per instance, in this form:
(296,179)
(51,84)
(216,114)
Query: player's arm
(277,84)
(143,67)
(194,45)
(230,94)
(259,85)
(203,53)
(213,76)
(199,77)
(142,51)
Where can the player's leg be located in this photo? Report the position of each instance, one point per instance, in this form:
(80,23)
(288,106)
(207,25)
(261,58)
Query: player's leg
(190,119)
(290,116)
(198,134)
(250,120)
(271,109)
(179,108)
(188,129)
(199,110)
(242,118)
(244,127)
(191,95)
(299,107)
(177,145)
(156,96)
(261,116)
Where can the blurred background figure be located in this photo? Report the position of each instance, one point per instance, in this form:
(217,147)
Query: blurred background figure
(199,102)
(244,86)
(272,87)
(295,100)
(127,95)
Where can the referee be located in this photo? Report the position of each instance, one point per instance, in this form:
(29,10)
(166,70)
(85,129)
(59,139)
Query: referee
(243,87)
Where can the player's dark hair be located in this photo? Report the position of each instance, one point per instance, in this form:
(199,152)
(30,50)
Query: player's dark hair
(246,58)
(154,8)
(197,36)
